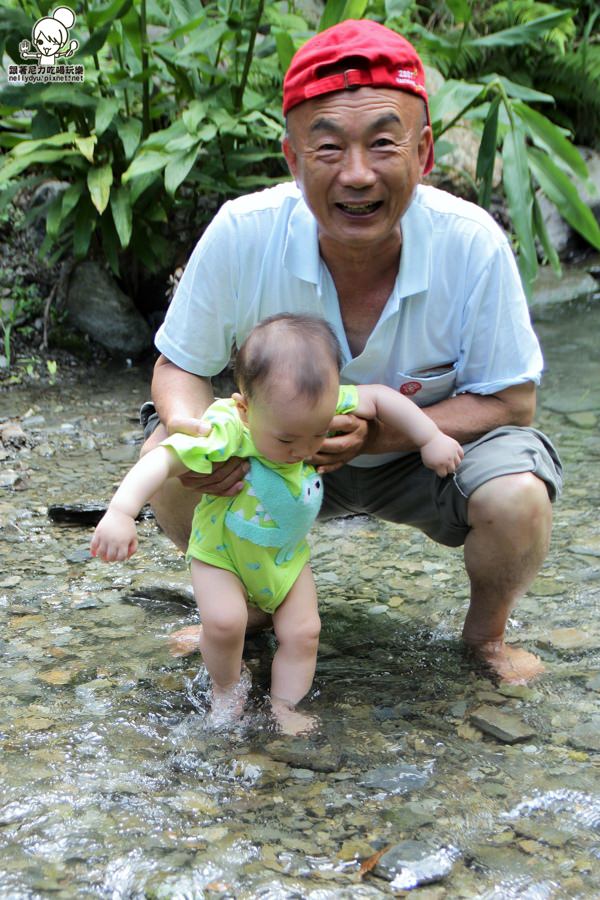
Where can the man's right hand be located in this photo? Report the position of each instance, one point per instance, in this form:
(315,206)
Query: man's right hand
(226,478)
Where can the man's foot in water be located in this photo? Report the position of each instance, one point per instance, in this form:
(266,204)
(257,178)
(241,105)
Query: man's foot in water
(185,641)
(512,665)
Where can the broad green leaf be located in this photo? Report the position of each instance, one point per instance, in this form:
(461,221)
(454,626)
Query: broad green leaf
(120,206)
(94,43)
(517,186)
(193,115)
(85,223)
(453,99)
(106,110)
(130,132)
(70,198)
(524,33)
(86,146)
(44,124)
(285,49)
(552,138)
(487,154)
(178,169)
(54,216)
(206,37)
(182,144)
(14,167)
(542,233)
(519,91)
(130,23)
(105,15)
(145,162)
(396,8)
(559,188)
(339,10)
(461,10)
(110,243)
(25,148)
(138,186)
(99,181)
(188,26)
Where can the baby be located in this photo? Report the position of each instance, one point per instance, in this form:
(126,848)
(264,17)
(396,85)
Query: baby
(251,548)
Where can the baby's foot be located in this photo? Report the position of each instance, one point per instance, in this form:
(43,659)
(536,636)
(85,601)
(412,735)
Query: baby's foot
(185,641)
(292,722)
(228,704)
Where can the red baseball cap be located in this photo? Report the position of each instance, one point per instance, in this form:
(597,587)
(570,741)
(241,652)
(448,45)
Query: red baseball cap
(375,55)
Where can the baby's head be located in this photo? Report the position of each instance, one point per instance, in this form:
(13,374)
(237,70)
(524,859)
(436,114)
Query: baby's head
(287,371)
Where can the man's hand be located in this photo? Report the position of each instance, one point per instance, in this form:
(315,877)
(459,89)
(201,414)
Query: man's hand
(349,439)
(226,478)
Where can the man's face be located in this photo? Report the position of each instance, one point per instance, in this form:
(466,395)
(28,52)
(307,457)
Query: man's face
(357,156)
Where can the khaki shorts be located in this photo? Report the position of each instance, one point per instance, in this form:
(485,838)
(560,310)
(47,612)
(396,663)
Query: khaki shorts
(406,492)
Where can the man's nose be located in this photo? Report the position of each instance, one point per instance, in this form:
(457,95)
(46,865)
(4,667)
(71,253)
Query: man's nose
(357,172)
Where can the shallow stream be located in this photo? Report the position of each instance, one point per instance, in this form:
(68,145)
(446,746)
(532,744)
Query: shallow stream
(111,784)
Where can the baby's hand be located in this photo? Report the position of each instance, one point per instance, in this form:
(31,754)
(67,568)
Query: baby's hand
(115,537)
(442,454)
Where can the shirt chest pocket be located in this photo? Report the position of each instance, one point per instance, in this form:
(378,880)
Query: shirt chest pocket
(427,386)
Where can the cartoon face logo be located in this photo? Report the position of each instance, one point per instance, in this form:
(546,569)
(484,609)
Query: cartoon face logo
(50,36)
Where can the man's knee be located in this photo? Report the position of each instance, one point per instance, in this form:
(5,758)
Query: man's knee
(514,501)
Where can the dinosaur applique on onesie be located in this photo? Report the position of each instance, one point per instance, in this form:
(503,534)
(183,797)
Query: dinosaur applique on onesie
(260,534)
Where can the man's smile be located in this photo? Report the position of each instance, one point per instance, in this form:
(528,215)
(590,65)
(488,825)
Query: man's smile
(359,209)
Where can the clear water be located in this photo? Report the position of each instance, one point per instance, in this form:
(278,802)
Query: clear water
(111,783)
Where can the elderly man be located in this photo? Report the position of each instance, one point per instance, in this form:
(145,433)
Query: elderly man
(424,295)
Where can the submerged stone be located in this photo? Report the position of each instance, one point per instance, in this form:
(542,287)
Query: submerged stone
(401,779)
(587,735)
(412,863)
(505,727)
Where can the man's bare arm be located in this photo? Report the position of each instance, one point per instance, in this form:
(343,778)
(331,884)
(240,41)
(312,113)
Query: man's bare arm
(180,397)
(181,400)
(467,417)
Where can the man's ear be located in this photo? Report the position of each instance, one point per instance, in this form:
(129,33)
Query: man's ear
(241,404)
(425,142)
(290,155)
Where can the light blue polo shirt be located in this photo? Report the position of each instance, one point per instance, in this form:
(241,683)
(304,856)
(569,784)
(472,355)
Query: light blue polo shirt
(456,321)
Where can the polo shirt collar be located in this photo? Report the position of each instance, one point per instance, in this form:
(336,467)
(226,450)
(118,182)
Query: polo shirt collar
(414,274)
(301,256)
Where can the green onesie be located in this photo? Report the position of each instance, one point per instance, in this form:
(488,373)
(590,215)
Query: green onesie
(260,534)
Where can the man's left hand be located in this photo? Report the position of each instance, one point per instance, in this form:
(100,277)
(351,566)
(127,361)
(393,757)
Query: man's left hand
(347,442)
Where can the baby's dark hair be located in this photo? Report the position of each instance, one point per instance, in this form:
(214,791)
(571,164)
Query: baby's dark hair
(300,348)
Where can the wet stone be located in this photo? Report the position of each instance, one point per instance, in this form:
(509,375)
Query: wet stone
(505,727)
(412,863)
(302,754)
(594,683)
(401,779)
(586,736)
(566,639)
(541,832)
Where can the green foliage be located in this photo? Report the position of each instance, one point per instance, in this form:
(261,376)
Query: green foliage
(173,93)
(181,102)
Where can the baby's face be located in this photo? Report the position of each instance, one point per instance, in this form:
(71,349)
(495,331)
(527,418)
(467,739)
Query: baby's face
(289,429)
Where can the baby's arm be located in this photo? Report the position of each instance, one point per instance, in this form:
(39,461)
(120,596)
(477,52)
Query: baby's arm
(115,537)
(438,451)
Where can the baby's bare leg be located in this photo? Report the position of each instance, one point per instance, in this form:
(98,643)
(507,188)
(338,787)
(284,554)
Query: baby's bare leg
(297,627)
(221,601)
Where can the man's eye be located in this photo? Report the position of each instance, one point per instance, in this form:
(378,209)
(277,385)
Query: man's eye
(282,441)
(328,148)
(383,142)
